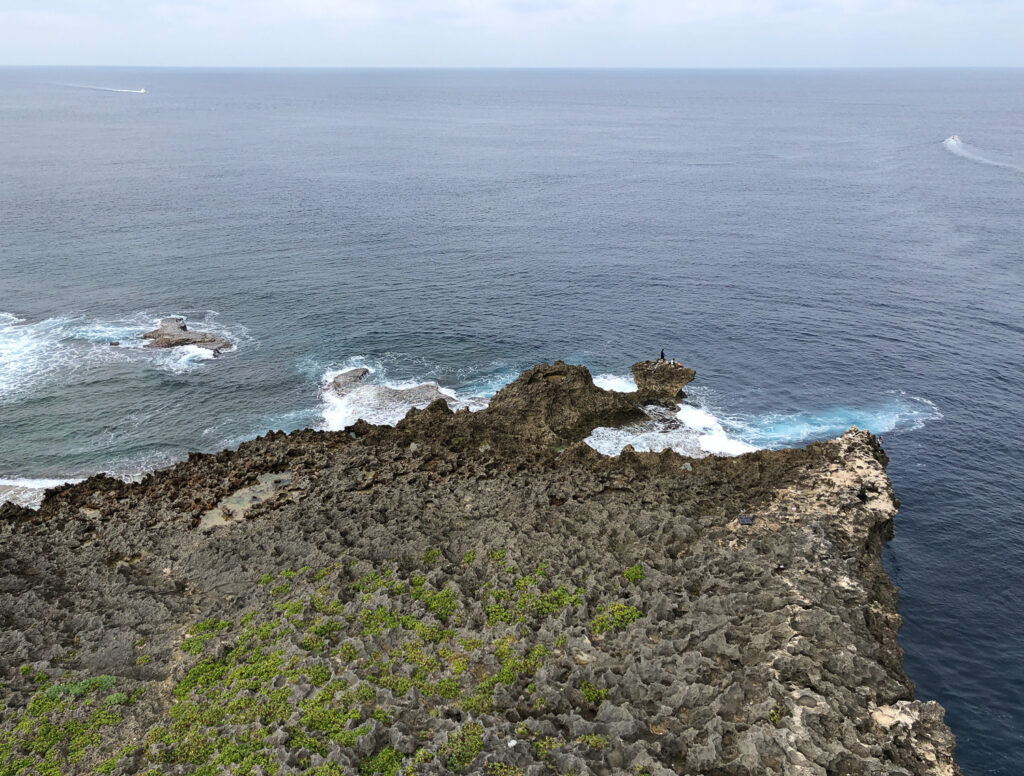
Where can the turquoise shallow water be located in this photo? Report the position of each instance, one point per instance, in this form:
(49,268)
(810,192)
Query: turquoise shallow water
(808,241)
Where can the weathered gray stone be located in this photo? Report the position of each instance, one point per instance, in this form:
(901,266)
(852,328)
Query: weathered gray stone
(173,333)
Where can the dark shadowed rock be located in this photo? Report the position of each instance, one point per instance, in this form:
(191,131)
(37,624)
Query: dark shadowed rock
(558,402)
(173,333)
(661,380)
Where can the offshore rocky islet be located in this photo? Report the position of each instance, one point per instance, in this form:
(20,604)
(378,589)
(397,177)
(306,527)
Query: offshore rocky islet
(465,592)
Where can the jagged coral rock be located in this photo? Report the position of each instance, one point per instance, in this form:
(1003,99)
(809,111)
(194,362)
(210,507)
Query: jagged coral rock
(451,595)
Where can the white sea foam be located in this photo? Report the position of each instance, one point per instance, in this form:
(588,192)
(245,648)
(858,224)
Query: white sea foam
(692,430)
(696,429)
(50,349)
(647,437)
(29,350)
(713,436)
(620,383)
(366,401)
(374,403)
(899,412)
(380,401)
(28,492)
(957,146)
(183,359)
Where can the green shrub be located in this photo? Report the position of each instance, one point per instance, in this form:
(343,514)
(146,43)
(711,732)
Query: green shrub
(463,747)
(614,616)
(592,694)
(502,769)
(386,762)
(600,743)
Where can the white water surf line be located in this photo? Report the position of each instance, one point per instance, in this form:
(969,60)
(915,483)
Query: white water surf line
(380,401)
(697,429)
(694,428)
(29,492)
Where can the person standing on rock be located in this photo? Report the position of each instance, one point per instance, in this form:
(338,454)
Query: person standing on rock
(662,357)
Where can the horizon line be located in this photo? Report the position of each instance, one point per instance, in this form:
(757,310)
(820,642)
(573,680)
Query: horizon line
(520,67)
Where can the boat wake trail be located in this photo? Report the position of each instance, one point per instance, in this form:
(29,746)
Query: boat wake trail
(106,89)
(957,146)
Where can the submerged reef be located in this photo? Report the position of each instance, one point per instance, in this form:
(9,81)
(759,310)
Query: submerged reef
(465,593)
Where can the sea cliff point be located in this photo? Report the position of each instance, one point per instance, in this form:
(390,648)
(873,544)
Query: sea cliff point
(466,593)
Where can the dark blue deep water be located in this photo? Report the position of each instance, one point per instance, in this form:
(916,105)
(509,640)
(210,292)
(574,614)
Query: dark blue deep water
(811,242)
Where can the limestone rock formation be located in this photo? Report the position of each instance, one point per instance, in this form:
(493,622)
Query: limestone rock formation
(465,593)
(558,402)
(661,380)
(173,333)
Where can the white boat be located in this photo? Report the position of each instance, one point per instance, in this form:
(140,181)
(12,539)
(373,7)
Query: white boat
(954,139)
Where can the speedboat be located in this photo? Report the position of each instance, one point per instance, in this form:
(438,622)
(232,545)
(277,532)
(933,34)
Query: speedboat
(954,138)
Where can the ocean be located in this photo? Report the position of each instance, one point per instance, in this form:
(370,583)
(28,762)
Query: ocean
(816,244)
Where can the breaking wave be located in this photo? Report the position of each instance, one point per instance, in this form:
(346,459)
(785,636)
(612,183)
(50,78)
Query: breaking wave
(615,383)
(696,428)
(898,413)
(32,354)
(380,401)
(957,146)
(28,492)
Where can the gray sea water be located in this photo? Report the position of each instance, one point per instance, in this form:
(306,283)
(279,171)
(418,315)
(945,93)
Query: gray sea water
(814,243)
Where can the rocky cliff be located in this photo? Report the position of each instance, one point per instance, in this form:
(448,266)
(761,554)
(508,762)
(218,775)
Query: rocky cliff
(464,593)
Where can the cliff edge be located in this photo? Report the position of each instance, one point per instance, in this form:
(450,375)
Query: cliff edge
(465,593)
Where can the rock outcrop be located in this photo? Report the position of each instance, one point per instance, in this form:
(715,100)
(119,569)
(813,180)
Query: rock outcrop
(352,380)
(173,333)
(557,403)
(465,593)
(662,381)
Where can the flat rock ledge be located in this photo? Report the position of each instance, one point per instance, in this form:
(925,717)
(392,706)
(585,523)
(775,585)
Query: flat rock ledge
(465,593)
(173,333)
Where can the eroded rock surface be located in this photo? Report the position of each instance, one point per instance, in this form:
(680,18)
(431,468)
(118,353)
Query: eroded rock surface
(466,593)
(662,380)
(173,333)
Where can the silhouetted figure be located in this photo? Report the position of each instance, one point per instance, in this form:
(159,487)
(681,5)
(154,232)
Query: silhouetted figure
(662,356)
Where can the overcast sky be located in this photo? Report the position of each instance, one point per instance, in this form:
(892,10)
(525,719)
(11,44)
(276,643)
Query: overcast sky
(514,33)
